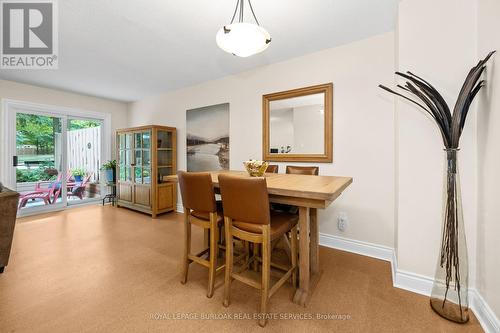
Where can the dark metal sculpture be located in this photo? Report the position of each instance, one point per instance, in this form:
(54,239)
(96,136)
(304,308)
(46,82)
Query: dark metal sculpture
(452,264)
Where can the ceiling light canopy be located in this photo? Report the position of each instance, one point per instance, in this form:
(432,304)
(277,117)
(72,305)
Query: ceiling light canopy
(243,39)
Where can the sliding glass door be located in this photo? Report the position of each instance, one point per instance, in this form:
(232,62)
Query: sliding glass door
(56,158)
(39,162)
(84,160)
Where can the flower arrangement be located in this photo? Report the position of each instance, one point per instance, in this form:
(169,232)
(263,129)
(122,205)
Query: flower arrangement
(256,168)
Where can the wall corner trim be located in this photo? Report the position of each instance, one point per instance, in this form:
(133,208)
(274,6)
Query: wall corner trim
(487,318)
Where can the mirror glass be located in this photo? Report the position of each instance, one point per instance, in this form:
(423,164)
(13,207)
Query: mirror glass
(297,125)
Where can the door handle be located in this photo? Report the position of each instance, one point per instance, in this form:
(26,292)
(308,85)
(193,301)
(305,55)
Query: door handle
(14,160)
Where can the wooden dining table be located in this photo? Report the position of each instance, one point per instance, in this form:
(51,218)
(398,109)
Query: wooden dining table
(309,193)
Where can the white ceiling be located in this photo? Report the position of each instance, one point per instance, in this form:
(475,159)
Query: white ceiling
(129,49)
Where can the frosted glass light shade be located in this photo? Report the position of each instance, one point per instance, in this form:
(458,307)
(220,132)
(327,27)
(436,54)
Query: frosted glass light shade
(243,39)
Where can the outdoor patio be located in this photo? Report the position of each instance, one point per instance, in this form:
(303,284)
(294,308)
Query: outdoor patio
(40,178)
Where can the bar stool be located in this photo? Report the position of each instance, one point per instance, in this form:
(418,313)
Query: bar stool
(247,217)
(296,170)
(200,208)
(272,168)
(302,170)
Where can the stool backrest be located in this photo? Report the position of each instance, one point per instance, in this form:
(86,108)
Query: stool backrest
(245,199)
(302,170)
(272,168)
(197,191)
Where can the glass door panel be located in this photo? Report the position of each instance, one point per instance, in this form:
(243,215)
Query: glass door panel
(146,157)
(128,141)
(121,157)
(146,175)
(84,160)
(138,175)
(164,140)
(138,157)
(164,158)
(138,140)
(162,172)
(164,154)
(39,164)
(146,139)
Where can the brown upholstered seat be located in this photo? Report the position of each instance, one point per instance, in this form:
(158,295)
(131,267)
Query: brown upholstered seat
(302,170)
(280,224)
(201,209)
(247,216)
(272,168)
(206,215)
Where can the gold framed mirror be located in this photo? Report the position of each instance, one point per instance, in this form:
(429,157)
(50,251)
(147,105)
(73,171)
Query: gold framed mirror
(298,125)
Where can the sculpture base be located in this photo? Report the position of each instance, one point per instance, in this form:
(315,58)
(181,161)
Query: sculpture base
(450,310)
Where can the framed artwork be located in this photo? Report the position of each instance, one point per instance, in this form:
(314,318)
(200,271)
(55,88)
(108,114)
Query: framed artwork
(207,138)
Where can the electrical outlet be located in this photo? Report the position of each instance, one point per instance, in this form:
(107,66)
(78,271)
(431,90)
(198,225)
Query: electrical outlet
(342,221)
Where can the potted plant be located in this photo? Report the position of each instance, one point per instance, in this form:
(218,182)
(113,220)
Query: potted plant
(109,169)
(78,173)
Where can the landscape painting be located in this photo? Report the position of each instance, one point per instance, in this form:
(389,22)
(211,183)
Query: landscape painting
(208,138)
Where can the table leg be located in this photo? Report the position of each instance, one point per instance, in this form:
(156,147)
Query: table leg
(304,274)
(314,241)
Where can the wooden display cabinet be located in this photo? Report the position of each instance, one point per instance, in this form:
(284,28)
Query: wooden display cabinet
(144,156)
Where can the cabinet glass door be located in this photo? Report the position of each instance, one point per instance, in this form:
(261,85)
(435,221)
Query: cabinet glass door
(142,157)
(164,154)
(125,151)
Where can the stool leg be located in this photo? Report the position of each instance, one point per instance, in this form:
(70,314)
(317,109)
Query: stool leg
(247,251)
(266,274)
(214,235)
(229,261)
(187,246)
(256,250)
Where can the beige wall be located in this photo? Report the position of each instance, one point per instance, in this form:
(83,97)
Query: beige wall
(455,35)
(363,125)
(436,40)
(34,94)
(488,233)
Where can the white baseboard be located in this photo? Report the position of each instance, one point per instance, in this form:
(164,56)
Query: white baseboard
(180,208)
(416,283)
(489,321)
(413,282)
(355,246)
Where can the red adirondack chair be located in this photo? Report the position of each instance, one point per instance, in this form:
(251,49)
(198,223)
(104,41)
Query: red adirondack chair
(39,188)
(46,196)
(78,189)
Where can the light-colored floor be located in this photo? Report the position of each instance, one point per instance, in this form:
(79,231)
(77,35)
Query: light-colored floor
(106,269)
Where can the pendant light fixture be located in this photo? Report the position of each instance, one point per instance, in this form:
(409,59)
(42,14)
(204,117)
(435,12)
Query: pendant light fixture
(241,38)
